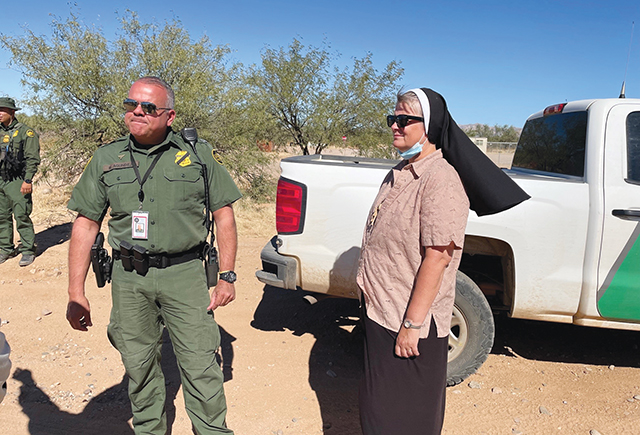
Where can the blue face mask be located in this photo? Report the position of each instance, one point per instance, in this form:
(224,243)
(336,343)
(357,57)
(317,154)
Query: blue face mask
(416,149)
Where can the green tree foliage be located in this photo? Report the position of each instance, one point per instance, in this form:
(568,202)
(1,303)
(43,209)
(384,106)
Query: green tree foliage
(497,133)
(77,80)
(316,104)
(72,88)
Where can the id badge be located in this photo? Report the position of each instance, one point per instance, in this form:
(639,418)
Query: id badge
(140,225)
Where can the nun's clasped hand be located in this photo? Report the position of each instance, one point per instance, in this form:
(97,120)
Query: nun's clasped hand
(407,343)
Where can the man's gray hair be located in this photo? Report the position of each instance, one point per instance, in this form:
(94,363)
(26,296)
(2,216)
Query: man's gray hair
(152,80)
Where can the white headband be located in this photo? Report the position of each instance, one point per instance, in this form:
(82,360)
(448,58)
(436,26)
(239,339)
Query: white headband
(426,108)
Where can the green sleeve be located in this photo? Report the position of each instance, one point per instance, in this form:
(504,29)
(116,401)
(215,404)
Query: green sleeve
(31,149)
(89,196)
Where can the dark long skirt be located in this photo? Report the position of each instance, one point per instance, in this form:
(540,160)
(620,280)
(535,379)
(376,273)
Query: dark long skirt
(402,396)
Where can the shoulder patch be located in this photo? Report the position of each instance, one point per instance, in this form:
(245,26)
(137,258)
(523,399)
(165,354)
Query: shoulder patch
(216,156)
(30,133)
(183,158)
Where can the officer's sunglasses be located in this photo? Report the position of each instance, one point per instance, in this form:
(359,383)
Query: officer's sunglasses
(401,120)
(147,107)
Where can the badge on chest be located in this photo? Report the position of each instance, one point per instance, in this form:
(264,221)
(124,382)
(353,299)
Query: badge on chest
(140,225)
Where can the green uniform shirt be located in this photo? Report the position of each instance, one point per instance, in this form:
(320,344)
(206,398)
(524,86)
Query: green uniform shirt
(173,192)
(10,139)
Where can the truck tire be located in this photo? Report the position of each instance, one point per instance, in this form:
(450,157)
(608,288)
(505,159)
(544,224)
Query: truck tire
(472,331)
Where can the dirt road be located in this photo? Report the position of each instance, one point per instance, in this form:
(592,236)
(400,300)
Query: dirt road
(292,368)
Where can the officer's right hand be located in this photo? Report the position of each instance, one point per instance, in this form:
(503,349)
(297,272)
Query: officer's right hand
(222,294)
(26,188)
(79,314)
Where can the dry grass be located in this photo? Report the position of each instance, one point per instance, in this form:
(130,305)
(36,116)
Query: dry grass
(255,220)
(50,206)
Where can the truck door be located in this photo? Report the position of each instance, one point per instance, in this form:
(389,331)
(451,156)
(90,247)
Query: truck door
(619,264)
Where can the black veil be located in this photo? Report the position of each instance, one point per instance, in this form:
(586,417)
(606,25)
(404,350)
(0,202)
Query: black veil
(489,189)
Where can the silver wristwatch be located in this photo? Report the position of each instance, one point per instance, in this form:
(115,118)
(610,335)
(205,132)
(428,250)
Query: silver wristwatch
(407,324)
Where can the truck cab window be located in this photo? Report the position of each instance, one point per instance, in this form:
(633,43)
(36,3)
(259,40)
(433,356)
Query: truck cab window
(633,147)
(554,143)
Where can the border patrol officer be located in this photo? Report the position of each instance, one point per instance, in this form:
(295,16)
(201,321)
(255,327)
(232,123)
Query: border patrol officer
(19,160)
(153,184)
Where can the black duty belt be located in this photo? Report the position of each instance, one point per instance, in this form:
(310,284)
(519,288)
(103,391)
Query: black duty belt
(162,261)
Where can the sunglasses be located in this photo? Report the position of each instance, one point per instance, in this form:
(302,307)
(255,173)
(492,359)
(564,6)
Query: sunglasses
(148,108)
(402,120)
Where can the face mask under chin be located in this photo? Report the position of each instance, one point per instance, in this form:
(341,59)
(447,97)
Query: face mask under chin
(415,149)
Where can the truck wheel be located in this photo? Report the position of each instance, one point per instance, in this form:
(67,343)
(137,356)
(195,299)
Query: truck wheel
(472,331)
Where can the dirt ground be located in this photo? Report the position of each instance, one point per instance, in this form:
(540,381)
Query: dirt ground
(292,368)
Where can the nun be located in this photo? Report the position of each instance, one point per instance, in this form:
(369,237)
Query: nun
(411,250)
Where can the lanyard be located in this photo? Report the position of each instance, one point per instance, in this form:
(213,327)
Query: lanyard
(142,180)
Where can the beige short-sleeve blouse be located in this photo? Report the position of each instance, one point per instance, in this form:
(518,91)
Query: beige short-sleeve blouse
(419,204)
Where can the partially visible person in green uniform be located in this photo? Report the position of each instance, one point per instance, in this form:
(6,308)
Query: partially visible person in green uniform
(151,181)
(19,160)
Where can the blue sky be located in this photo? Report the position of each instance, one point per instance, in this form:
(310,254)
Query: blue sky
(495,62)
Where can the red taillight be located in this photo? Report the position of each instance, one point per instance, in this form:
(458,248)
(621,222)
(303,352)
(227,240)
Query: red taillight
(290,205)
(552,110)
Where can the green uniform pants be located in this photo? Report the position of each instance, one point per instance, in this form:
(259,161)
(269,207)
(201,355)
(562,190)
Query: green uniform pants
(12,202)
(177,296)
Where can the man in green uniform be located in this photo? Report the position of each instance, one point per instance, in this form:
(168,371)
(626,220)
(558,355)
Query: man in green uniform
(152,182)
(19,160)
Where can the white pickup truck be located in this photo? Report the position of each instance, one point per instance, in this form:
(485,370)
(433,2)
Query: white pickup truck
(569,254)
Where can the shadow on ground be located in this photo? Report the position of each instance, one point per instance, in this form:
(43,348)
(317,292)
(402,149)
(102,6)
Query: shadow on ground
(53,236)
(565,343)
(104,414)
(335,362)
(109,412)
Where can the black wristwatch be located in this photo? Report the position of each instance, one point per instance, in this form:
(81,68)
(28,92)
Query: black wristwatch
(27,180)
(229,276)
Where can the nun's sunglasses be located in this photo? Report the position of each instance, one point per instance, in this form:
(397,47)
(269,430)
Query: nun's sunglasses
(147,107)
(401,120)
